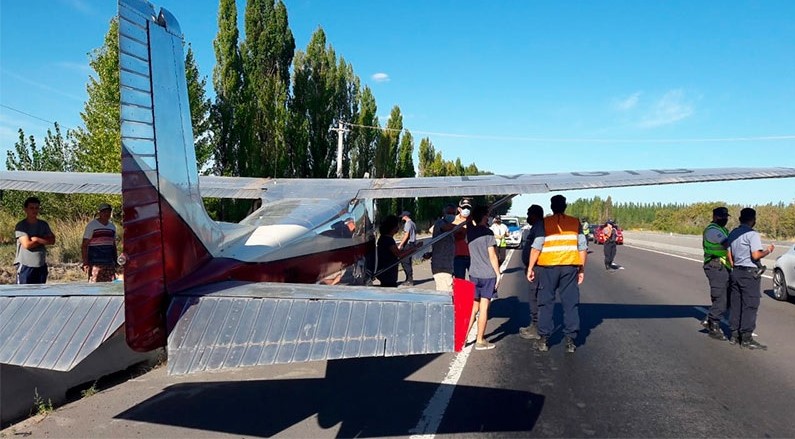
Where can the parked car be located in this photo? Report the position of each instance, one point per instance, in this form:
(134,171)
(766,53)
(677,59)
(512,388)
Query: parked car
(600,239)
(784,270)
(514,238)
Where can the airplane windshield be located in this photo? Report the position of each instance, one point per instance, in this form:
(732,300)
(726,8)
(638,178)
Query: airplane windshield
(309,213)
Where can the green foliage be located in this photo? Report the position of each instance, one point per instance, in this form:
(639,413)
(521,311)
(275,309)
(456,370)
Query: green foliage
(40,406)
(362,138)
(100,140)
(775,221)
(199,111)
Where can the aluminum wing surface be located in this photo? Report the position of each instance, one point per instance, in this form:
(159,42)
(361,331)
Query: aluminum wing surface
(512,184)
(107,183)
(57,326)
(235,324)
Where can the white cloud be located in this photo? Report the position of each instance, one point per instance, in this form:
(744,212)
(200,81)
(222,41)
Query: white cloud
(672,107)
(78,67)
(380,77)
(628,103)
(80,5)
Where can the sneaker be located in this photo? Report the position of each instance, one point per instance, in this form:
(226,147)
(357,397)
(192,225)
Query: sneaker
(408,283)
(735,338)
(529,332)
(570,346)
(749,342)
(716,333)
(541,344)
(705,323)
(484,345)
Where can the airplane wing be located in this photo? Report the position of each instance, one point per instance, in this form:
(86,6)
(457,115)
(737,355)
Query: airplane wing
(107,183)
(270,189)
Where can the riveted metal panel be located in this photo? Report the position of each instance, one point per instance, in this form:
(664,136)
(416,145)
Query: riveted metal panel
(248,326)
(56,326)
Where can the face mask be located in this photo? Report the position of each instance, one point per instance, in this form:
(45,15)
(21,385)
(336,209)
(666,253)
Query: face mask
(449,218)
(465,213)
(722,222)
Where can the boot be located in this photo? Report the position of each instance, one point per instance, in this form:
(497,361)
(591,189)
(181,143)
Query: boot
(748,342)
(715,331)
(529,332)
(735,339)
(570,346)
(541,344)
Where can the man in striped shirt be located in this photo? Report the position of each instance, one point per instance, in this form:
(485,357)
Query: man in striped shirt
(99,247)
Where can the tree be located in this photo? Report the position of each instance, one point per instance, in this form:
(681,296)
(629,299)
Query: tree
(100,140)
(267,54)
(199,111)
(362,138)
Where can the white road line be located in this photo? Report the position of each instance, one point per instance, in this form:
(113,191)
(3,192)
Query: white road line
(679,256)
(434,412)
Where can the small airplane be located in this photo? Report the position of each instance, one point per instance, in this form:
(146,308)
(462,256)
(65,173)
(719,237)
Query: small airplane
(265,290)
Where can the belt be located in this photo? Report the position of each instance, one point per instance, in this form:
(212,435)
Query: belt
(744,268)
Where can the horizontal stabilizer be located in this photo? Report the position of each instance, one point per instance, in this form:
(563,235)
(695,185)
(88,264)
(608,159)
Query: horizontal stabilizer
(231,325)
(57,326)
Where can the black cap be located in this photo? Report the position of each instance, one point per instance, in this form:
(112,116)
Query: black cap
(747,214)
(497,218)
(720,212)
(465,202)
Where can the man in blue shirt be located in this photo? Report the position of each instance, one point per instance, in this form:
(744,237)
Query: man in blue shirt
(745,247)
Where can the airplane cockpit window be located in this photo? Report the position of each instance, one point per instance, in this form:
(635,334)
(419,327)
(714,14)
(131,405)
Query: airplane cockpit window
(305,212)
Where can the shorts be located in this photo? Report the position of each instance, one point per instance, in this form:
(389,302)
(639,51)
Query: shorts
(484,288)
(31,275)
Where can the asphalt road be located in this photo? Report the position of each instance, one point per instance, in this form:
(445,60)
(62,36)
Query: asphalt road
(644,369)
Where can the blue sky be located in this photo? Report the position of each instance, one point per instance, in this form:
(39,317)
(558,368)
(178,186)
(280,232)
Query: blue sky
(512,86)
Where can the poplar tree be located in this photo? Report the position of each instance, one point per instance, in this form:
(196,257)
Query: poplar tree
(228,85)
(363,139)
(199,111)
(100,141)
(267,55)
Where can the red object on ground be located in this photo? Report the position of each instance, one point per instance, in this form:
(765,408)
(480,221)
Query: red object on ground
(463,297)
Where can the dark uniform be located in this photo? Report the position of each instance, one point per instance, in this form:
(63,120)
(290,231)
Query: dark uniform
(559,264)
(535,215)
(743,242)
(716,268)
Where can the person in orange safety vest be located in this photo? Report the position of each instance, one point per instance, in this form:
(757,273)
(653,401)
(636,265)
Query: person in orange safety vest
(558,256)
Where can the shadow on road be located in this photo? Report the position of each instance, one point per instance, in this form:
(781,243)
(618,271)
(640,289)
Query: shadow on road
(367,396)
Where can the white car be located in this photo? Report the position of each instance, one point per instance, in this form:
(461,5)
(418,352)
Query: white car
(784,271)
(514,239)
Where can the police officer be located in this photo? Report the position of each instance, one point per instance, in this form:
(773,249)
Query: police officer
(535,217)
(558,255)
(745,247)
(717,266)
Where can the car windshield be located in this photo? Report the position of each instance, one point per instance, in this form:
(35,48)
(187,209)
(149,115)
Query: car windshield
(511,223)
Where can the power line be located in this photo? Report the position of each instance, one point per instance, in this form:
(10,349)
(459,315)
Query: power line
(26,114)
(588,140)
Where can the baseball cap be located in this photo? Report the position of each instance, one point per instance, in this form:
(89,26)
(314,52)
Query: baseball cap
(497,218)
(465,202)
(103,206)
(405,213)
(720,212)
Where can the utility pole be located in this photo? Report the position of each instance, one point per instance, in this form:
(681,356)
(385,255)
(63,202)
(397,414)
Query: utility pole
(341,130)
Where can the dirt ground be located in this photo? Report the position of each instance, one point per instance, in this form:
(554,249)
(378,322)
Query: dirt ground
(57,274)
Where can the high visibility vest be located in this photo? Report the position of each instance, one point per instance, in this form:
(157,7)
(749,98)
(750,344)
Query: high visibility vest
(715,250)
(560,241)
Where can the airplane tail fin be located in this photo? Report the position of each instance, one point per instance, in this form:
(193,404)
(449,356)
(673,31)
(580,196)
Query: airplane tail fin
(166,229)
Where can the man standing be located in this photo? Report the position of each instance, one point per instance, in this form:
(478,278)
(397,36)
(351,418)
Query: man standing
(745,247)
(558,255)
(408,242)
(609,233)
(444,250)
(500,231)
(99,247)
(484,271)
(461,259)
(535,217)
(717,266)
(33,235)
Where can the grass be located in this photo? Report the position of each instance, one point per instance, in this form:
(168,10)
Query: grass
(91,391)
(39,405)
